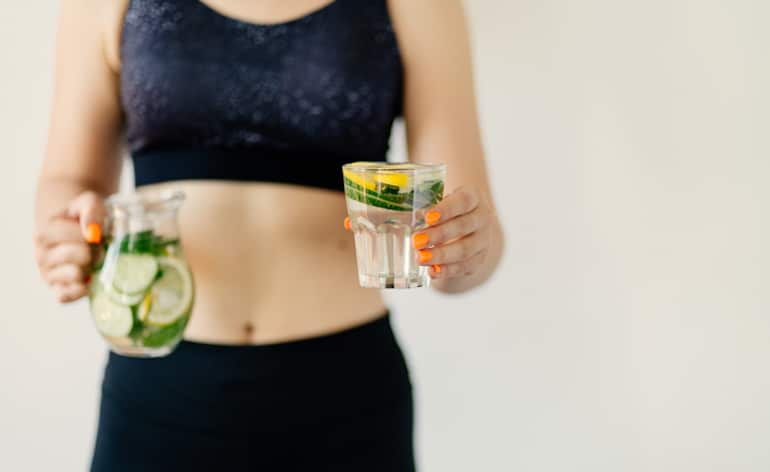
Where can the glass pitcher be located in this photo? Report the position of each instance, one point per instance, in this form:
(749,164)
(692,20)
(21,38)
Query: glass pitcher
(141,291)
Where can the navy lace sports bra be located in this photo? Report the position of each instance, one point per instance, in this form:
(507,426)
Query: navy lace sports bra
(207,96)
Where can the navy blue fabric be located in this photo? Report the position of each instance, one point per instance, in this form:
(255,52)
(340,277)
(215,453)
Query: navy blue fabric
(314,92)
(341,402)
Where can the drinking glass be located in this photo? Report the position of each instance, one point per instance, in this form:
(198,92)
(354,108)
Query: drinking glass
(386,205)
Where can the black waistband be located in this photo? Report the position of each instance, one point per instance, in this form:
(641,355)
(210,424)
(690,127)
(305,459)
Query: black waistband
(231,389)
(340,343)
(322,170)
(346,346)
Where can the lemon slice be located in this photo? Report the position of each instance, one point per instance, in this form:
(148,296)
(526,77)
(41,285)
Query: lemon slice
(359,179)
(171,295)
(143,310)
(397,180)
(374,180)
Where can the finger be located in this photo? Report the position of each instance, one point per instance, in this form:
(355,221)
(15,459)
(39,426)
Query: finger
(58,230)
(89,209)
(459,202)
(455,251)
(66,253)
(66,293)
(65,274)
(459,269)
(453,229)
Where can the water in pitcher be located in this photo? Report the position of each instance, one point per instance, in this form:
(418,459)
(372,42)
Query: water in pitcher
(141,288)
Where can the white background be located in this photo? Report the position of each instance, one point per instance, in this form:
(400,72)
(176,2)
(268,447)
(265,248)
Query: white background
(629,326)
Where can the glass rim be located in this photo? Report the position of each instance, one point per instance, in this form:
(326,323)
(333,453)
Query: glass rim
(148,201)
(394,167)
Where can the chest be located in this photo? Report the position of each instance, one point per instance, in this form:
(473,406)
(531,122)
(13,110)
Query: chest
(266,12)
(328,76)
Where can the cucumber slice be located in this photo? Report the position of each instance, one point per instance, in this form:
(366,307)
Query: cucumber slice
(112,320)
(388,197)
(172,293)
(100,286)
(134,273)
(124,298)
(376,200)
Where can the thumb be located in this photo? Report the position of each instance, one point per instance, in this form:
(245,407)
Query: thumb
(88,208)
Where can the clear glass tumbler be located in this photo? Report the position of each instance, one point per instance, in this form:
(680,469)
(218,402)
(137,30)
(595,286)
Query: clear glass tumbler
(141,291)
(386,205)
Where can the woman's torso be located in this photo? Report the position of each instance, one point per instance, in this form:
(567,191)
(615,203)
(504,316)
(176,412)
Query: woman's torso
(269,254)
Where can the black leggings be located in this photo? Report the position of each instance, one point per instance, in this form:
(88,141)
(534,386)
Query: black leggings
(341,402)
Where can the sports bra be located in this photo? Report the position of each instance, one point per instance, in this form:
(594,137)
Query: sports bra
(208,96)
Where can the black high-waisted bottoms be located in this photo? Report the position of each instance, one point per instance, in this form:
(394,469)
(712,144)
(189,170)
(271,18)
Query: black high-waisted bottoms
(340,402)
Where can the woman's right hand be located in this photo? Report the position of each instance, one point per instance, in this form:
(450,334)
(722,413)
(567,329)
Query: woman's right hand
(62,250)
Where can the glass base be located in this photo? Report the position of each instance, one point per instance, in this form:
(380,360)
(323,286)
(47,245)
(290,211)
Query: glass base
(143,352)
(382,281)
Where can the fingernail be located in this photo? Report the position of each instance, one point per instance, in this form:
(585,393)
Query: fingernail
(424,256)
(88,279)
(347,224)
(419,240)
(436,268)
(93,233)
(432,217)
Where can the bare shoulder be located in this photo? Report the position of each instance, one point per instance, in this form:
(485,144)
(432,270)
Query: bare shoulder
(428,23)
(112,15)
(87,21)
(434,41)
(427,9)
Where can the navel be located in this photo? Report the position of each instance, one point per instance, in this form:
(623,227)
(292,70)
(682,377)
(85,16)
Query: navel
(248,328)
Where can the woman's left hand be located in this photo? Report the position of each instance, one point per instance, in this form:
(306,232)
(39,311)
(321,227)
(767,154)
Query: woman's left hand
(459,235)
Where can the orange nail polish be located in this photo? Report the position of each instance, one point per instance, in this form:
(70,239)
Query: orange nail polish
(436,268)
(432,217)
(424,256)
(93,233)
(347,224)
(419,240)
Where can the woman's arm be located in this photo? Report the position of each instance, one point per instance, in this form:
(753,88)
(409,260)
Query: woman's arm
(466,242)
(81,163)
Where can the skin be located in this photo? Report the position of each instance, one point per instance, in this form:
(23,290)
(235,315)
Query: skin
(266,256)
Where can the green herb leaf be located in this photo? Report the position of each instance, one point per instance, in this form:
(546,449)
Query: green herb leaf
(167,334)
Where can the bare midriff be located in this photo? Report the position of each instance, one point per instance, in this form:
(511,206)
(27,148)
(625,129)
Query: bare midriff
(271,262)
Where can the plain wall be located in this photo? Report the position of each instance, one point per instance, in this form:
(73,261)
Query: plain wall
(628,327)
